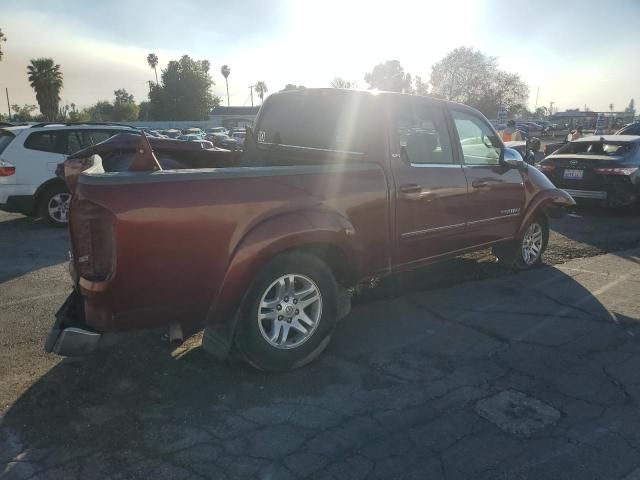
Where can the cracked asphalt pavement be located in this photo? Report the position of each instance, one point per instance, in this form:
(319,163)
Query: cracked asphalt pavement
(497,376)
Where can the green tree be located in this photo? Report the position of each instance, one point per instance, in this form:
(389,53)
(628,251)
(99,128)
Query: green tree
(45,78)
(152,60)
(468,76)
(24,113)
(420,86)
(226,71)
(124,107)
(339,82)
(291,86)
(3,38)
(184,93)
(261,89)
(389,76)
(632,106)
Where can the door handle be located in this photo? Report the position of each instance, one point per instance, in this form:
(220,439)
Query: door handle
(411,188)
(413,191)
(479,183)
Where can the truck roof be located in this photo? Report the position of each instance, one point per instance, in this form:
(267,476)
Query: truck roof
(371,93)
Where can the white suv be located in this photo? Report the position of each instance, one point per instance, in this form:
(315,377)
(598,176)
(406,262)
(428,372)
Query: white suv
(29,155)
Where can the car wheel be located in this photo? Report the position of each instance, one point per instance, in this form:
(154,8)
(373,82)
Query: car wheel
(527,251)
(54,205)
(289,313)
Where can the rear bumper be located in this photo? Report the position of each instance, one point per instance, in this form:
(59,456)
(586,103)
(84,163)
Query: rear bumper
(592,194)
(69,335)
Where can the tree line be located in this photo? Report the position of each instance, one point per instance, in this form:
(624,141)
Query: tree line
(182,91)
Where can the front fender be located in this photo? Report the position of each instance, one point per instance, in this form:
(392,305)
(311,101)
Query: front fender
(543,199)
(271,237)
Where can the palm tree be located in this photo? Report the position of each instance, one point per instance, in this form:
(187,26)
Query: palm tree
(45,78)
(152,60)
(261,89)
(225,71)
(3,38)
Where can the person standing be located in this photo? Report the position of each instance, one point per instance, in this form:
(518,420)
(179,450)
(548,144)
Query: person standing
(577,134)
(510,133)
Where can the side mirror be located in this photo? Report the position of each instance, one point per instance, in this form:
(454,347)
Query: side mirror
(511,158)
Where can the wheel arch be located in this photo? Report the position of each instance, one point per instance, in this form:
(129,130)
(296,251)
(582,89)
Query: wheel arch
(544,199)
(52,182)
(324,234)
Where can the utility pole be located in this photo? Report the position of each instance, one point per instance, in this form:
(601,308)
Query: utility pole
(537,93)
(8,104)
(251,88)
(551,104)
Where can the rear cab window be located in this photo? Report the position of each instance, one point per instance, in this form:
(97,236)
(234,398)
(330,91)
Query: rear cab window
(313,126)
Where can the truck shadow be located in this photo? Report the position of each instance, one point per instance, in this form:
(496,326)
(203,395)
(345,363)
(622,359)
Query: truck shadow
(31,244)
(145,399)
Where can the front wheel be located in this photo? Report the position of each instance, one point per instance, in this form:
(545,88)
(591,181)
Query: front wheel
(527,251)
(289,313)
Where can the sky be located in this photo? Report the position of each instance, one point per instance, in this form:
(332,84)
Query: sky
(575,53)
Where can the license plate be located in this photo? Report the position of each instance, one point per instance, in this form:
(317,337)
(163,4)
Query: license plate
(570,174)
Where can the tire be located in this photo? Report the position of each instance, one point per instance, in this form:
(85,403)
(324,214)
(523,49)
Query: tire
(270,333)
(53,205)
(519,254)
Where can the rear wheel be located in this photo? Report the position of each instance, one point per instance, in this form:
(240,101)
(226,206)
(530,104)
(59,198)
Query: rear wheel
(527,251)
(289,313)
(53,206)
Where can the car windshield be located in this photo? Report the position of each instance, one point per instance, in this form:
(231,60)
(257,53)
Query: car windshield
(5,139)
(596,148)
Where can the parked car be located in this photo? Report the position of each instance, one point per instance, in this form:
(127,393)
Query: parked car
(630,129)
(335,188)
(29,155)
(239,136)
(222,140)
(602,168)
(214,130)
(171,133)
(190,138)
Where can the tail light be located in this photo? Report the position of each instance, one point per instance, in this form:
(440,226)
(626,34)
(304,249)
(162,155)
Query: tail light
(547,168)
(7,169)
(92,233)
(616,170)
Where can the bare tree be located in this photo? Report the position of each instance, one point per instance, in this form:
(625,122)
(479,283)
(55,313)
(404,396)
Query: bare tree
(339,82)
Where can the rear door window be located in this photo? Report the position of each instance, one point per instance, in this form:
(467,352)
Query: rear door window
(5,139)
(422,132)
(51,142)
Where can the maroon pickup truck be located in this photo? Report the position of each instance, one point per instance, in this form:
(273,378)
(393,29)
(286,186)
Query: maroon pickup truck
(334,188)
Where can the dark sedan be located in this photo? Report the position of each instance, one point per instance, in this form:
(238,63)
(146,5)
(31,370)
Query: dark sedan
(603,168)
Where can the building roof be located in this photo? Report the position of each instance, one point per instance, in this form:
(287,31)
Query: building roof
(235,111)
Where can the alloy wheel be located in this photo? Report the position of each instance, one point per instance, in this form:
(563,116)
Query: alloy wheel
(289,311)
(532,244)
(58,207)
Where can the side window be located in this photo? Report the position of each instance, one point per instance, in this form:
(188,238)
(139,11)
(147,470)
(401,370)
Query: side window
(44,142)
(422,132)
(479,144)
